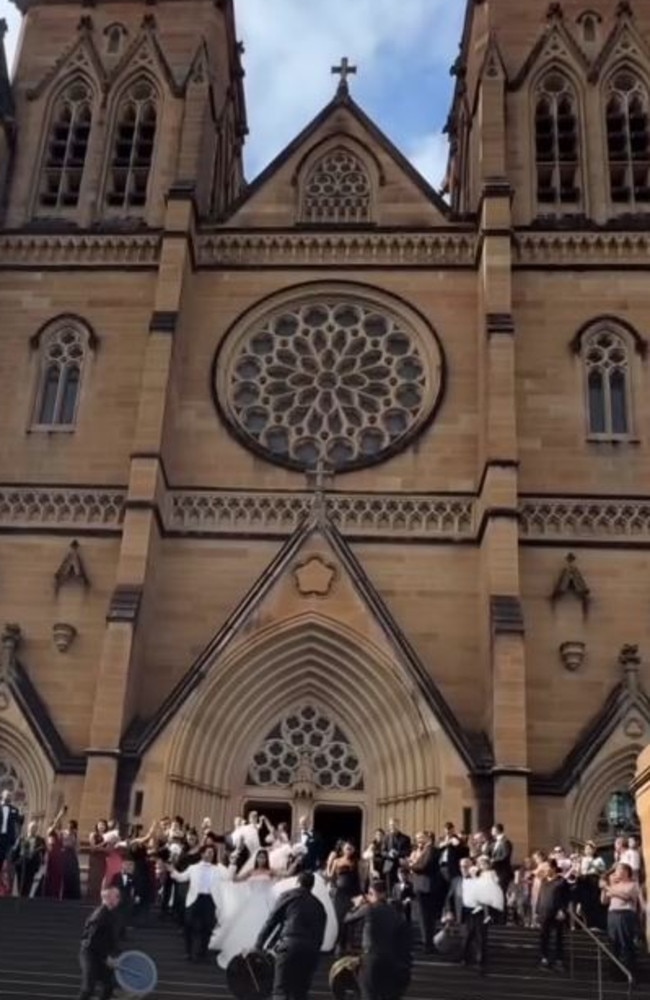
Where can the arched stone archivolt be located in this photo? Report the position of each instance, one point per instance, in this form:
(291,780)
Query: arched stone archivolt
(615,773)
(309,660)
(23,767)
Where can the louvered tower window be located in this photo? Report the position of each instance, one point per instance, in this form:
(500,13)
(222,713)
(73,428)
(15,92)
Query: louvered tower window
(557,142)
(67,146)
(133,146)
(628,140)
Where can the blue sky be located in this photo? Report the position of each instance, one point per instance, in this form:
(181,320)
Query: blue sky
(403,49)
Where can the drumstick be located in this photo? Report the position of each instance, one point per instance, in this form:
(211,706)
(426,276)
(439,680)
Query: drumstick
(253,976)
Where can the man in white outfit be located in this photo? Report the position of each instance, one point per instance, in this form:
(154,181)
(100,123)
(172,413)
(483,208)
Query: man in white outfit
(202,902)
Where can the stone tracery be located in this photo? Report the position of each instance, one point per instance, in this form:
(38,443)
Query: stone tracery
(330,378)
(306,737)
(337,189)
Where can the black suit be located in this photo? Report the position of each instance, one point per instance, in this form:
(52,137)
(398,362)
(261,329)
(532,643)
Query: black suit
(423,875)
(300,919)
(501,855)
(28,855)
(11,822)
(395,848)
(99,941)
(124,912)
(386,965)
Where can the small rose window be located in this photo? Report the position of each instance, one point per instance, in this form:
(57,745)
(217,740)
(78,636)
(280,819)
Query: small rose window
(334,380)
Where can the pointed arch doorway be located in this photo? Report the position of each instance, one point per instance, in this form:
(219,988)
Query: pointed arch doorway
(306,768)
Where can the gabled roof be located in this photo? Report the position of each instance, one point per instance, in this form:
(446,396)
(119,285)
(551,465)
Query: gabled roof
(548,48)
(342,99)
(40,722)
(628,696)
(81,55)
(472,748)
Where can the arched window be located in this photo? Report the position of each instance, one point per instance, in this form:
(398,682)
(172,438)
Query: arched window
(337,189)
(607,373)
(67,145)
(628,139)
(64,351)
(133,145)
(115,34)
(557,141)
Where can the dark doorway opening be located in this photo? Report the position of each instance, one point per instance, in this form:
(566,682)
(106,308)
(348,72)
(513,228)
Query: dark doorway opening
(275,812)
(334,823)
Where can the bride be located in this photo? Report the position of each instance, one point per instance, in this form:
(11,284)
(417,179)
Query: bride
(247,899)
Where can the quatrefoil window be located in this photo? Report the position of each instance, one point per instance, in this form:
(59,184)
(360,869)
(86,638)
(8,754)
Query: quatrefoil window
(306,738)
(332,379)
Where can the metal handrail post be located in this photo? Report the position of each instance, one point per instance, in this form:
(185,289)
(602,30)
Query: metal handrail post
(604,950)
(600,975)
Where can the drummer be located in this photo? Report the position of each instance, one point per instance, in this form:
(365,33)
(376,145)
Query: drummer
(386,962)
(300,919)
(99,947)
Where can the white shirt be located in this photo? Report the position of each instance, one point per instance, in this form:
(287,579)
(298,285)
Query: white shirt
(205,878)
(6,812)
(631,857)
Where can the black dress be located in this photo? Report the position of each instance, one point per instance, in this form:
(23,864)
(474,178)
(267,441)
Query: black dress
(347,886)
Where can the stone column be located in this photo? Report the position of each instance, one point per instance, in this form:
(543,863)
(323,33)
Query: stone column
(123,646)
(503,621)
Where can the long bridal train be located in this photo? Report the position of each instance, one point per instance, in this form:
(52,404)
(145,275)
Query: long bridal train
(246,903)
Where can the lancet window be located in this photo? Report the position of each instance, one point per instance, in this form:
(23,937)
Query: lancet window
(67,146)
(557,141)
(607,374)
(628,139)
(64,350)
(133,147)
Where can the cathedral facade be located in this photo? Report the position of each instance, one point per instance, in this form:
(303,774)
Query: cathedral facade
(325,493)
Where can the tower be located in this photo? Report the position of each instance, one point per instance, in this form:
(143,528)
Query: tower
(117,103)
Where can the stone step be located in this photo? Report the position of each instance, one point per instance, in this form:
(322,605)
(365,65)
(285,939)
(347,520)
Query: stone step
(38,959)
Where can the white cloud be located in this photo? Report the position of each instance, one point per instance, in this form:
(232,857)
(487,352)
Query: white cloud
(291,45)
(428,154)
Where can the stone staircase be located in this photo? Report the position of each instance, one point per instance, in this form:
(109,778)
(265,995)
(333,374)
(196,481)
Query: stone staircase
(38,960)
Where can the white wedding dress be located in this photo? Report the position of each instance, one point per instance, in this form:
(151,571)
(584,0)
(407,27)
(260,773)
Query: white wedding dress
(245,906)
(484,890)
(248,835)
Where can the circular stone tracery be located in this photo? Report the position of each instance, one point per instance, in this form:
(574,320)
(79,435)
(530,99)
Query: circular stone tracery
(332,379)
(307,736)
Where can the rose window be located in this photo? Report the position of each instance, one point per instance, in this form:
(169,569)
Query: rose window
(306,739)
(11,781)
(332,380)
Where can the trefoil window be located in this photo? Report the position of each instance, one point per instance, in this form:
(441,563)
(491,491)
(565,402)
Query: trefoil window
(67,146)
(628,140)
(557,142)
(607,374)
(63,356)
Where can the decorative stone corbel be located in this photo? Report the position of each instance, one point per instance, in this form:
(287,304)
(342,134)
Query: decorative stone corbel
(571,581)
(303,785)
(572,654)
(72,569)
(63,635)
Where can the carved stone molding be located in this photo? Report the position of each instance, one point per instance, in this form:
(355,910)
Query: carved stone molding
(572,654)
(51,507)
(227,249)
(588,248)
(28,249)
(72,569)
(63,635)
(314,577)
(618,520)
(571,581)
(354,513)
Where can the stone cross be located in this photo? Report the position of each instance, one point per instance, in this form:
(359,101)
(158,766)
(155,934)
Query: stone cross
(344,70)
(318,481)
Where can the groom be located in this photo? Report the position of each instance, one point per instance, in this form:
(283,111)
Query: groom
(307,847)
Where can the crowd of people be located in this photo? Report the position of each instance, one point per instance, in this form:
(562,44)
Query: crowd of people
(222,888)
